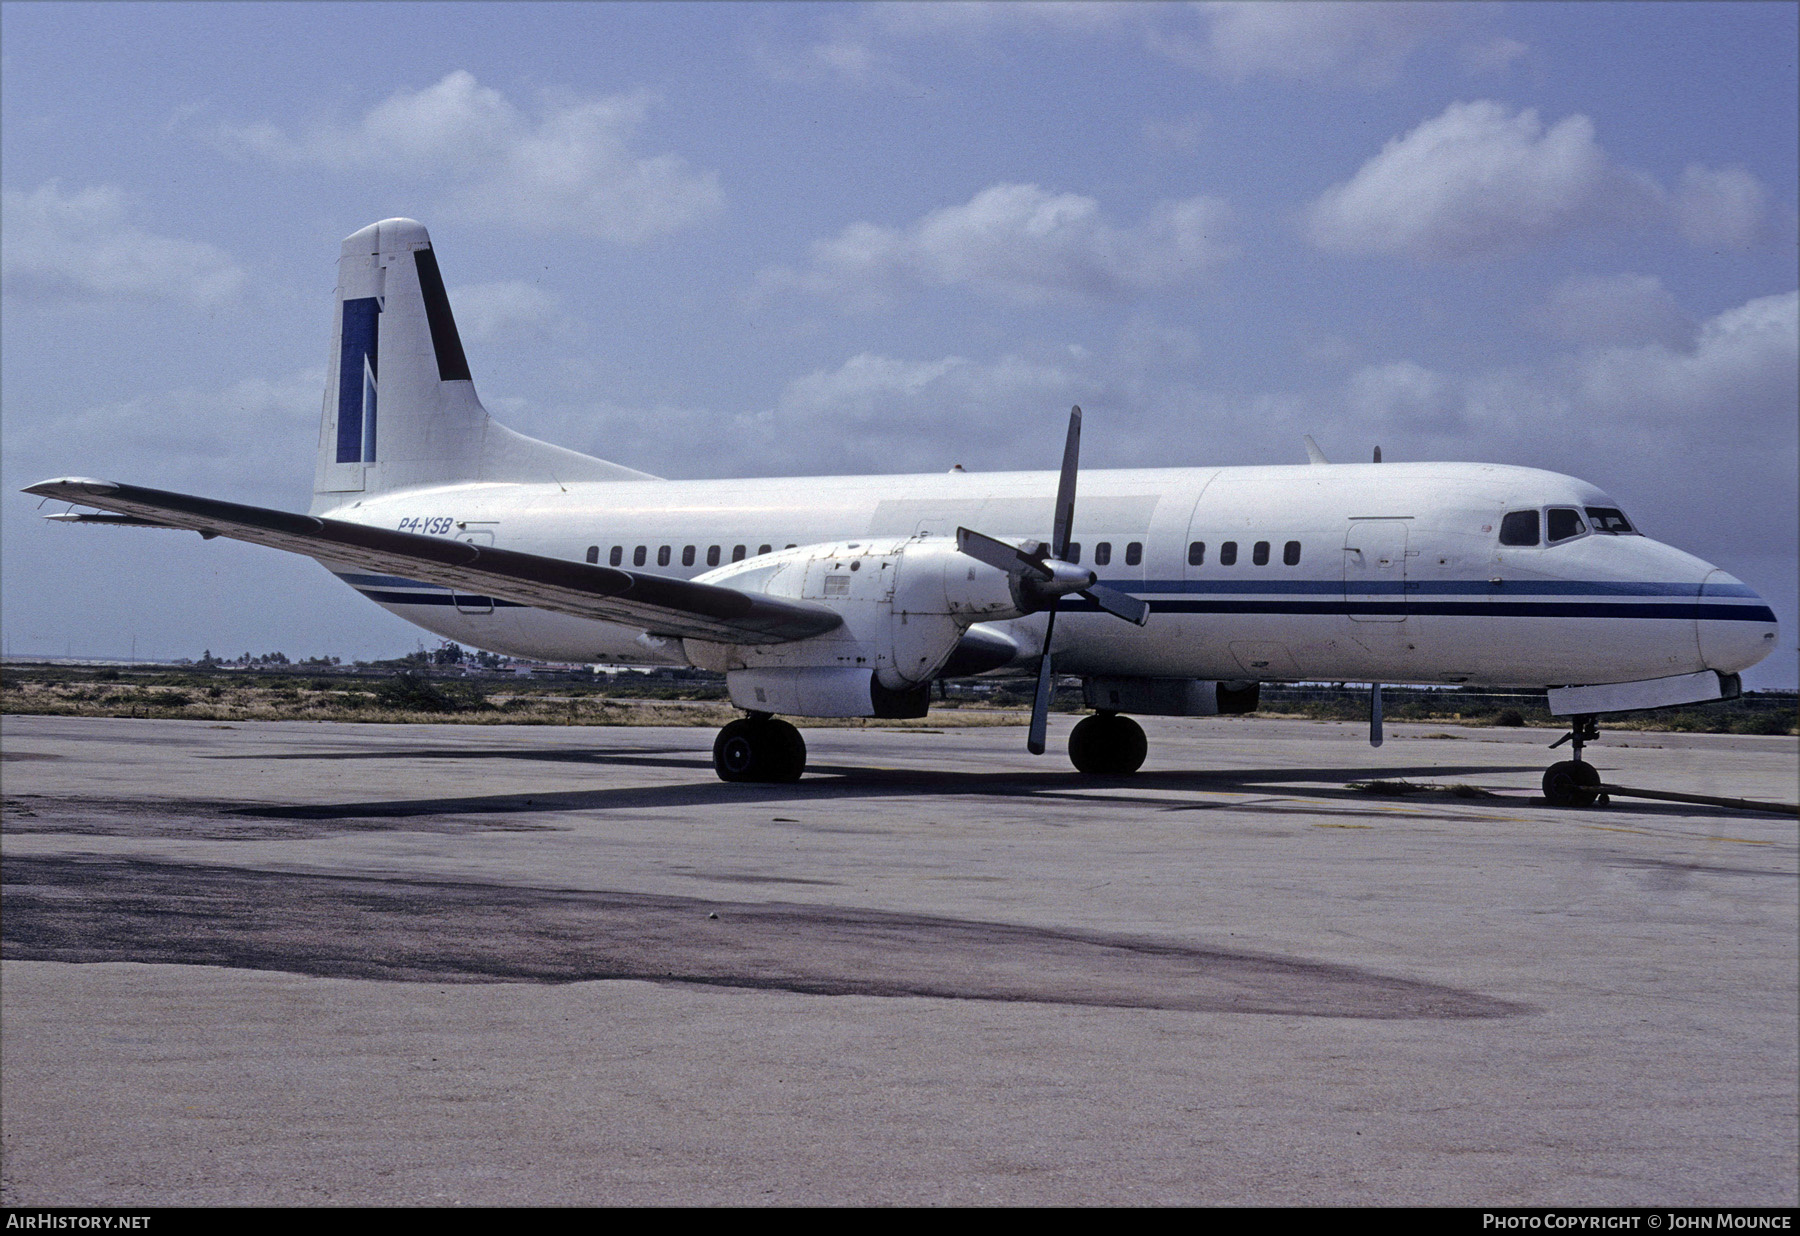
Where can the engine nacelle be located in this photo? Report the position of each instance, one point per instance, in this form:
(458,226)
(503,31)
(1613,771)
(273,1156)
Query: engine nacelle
(905,605)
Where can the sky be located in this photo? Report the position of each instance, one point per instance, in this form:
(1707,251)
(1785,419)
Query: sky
(799,239)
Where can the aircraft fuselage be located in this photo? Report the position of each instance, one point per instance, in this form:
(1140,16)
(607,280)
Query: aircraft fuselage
(1362,572)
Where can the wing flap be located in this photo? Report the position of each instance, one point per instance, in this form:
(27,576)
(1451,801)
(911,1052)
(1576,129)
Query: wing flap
(659,604)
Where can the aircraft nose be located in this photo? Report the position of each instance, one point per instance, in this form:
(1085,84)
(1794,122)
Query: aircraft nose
(1736,627)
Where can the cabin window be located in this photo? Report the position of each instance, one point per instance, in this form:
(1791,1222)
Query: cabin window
(593,554)
(687,555)
(1074,554)
(1565,522)
(1228,554)
(1610,520)
(712,555)
(1196,553)
(1519,528)
(1290,553)
(617,556)
(1103,553)
(1259,553)
(662,555)
(637,556)
(763,549)
(737,553)
(1134,553)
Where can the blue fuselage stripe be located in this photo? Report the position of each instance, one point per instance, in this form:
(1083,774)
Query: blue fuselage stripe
(1338,607)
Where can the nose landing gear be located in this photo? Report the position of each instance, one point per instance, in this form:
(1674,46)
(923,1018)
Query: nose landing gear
(1575,783)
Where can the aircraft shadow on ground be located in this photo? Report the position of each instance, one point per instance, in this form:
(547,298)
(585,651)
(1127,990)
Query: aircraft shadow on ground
(441,931)
(1284,789)
(828,782)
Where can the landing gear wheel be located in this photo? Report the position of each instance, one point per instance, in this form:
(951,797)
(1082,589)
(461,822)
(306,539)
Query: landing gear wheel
(1107,745)
(1572,783)
(759,749)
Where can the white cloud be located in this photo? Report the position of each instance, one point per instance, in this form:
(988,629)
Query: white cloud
(1613,310)
(1491,56)
(1478,182)
(1720,209)
(1181,136)
(1405,394)
(1743,370)
(255,438)
(508,310)
(1474,182)
(570,168)
(1364,44)
(79,248)
(1018,243)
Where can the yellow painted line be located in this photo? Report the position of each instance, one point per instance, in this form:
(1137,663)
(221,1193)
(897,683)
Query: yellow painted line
(1741,840)
(1602,828)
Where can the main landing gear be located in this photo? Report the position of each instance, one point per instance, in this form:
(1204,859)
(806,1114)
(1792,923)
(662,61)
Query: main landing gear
(1107,745)
(1575,783)
(759,748)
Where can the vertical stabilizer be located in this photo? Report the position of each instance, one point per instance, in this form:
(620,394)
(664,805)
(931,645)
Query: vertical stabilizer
(400,406)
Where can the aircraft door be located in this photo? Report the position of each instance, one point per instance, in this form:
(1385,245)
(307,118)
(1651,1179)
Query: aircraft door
(1375,570)
(467,603)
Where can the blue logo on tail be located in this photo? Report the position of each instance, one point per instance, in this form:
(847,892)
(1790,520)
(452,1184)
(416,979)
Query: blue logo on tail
(356,381)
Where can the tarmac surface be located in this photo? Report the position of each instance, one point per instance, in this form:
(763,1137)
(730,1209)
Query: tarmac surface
(300,963)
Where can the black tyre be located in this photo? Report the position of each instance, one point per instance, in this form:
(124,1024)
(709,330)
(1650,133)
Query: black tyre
(1572,783)
(789,752)
(1107,745)
(737,753)
(759,749)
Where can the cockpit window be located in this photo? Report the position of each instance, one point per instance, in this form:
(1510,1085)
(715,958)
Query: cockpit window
(1610,520)
(1519,528)
(1565,522)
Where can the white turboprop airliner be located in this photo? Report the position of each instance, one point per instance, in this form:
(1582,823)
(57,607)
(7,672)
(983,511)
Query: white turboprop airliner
(1179,589)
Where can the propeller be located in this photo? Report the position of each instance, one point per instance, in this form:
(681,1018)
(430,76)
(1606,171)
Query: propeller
(1374,714)
(1042,575)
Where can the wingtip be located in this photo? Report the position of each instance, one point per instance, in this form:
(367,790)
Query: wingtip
(71,487)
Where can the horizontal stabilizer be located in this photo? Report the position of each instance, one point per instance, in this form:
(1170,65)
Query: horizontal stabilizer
(658,604)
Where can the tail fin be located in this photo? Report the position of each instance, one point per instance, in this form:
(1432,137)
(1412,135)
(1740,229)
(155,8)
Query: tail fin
(400,408)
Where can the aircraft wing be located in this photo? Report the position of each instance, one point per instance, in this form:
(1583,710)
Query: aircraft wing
(658,604)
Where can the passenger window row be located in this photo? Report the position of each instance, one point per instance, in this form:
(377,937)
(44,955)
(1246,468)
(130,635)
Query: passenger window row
(1228,553)
(1103,553)
(665,553)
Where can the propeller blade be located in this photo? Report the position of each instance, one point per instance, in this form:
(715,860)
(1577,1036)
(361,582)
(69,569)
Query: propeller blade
(1119,604)
(1374,714)
(1040,704)
(997,554)
(1377,455)
(1313,454)
(1065,488)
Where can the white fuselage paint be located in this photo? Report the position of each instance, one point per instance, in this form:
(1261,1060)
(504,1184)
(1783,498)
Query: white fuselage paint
(1400,578)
